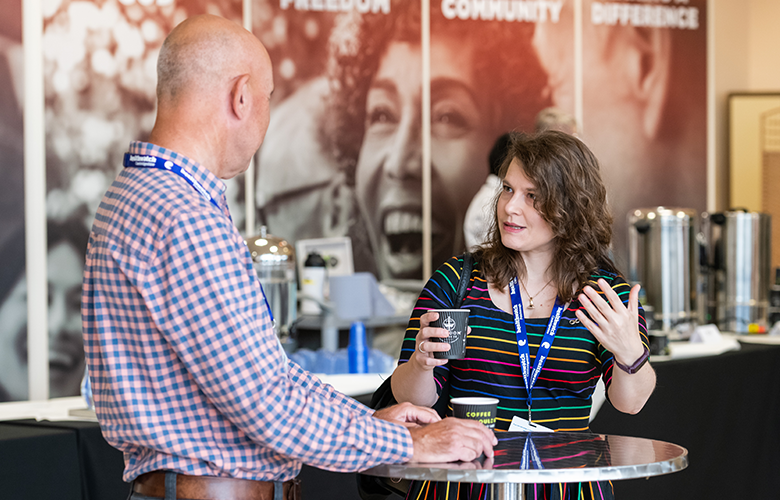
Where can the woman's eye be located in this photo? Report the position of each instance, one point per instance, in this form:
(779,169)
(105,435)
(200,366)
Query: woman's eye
(506,188)
(448,122)
(381,116)
(532,196)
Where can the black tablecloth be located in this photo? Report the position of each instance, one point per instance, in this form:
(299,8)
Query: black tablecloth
(726,411)
(39,463)
(59,461)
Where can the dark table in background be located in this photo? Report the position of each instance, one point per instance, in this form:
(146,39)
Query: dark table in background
(66,460)
(724,409)
(70,460)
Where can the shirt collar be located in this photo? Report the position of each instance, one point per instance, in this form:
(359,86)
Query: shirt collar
(210,182)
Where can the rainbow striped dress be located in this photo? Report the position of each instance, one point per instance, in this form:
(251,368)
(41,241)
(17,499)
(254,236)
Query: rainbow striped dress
(562,394)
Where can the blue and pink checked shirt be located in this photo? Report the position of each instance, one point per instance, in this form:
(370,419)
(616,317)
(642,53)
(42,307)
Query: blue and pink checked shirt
(187,374)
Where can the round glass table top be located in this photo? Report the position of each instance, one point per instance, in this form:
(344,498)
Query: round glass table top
(555,457)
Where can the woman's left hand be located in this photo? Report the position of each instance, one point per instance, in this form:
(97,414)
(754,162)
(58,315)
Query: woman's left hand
(612,323)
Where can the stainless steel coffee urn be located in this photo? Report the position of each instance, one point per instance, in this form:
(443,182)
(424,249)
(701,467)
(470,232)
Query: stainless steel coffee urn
(738,260)
(274,261)
(663,259)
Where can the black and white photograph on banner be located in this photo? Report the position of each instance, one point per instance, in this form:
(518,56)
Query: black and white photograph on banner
(343,153)
(12,172)
(67,243)
(99,82)
(100,61)
(644,91)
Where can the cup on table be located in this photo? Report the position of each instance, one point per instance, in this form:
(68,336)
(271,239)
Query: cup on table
(456,322)
(482,409)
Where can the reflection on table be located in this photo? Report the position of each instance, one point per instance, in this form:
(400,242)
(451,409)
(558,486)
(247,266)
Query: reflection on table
(561,457)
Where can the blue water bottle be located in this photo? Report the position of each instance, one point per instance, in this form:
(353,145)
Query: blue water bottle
(357,350)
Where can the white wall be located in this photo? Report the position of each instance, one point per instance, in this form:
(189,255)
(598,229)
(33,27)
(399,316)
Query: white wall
(746,37)
(764,45)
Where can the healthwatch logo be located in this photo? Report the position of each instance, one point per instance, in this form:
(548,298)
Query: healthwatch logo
(449,323)
(143,160)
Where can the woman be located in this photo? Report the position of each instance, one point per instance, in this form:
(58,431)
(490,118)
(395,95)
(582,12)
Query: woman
(548,249)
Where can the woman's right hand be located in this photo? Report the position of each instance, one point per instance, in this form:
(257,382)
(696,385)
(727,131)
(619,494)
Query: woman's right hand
(413,381)
(425,346)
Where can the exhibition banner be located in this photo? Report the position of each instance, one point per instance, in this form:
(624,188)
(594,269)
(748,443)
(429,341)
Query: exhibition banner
(13,300)
(345,142)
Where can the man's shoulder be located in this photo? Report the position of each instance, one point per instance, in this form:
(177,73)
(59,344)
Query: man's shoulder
(142,205)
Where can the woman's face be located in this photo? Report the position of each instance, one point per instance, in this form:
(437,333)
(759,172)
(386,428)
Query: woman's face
(389,171)
(66,351)
(521,226)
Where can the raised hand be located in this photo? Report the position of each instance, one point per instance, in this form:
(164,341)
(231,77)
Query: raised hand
(612,323)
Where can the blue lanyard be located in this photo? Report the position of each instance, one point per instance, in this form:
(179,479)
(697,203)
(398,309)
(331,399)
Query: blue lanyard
(530,376)
(151,161)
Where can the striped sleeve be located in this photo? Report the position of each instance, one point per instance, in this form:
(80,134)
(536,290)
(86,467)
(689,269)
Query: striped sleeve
(439,292)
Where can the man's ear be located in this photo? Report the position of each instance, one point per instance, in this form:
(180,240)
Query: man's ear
(650,72)
(240,97)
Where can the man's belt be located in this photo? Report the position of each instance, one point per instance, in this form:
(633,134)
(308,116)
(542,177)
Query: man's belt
(152,484)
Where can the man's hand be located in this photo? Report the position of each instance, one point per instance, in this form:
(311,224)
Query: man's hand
(408,415)
(452,439)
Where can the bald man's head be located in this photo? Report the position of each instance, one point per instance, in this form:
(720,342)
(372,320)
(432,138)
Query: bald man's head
(214,91)
(202,53)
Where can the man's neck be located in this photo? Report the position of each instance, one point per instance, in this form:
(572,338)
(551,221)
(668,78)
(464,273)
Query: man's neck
(188,135)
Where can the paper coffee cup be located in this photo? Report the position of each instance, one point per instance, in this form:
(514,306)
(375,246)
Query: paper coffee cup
(482,409)
(455,321)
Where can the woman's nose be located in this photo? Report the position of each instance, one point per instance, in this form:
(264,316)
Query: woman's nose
(405,158)
(57,314)
(514,205)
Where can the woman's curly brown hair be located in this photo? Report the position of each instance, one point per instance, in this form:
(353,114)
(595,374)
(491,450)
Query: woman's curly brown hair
(571,198)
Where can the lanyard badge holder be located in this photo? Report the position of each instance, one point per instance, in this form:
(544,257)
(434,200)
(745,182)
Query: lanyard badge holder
(530,375)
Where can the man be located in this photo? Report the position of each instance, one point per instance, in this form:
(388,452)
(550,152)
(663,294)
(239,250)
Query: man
(188,378)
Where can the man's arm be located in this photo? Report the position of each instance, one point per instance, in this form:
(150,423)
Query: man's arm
(214,318)
(315,385)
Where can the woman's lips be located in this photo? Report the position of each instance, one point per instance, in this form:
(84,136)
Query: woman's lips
(513,228)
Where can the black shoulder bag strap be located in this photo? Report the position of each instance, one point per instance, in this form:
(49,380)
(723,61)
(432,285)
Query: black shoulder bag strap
(465,279)
(375,488)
